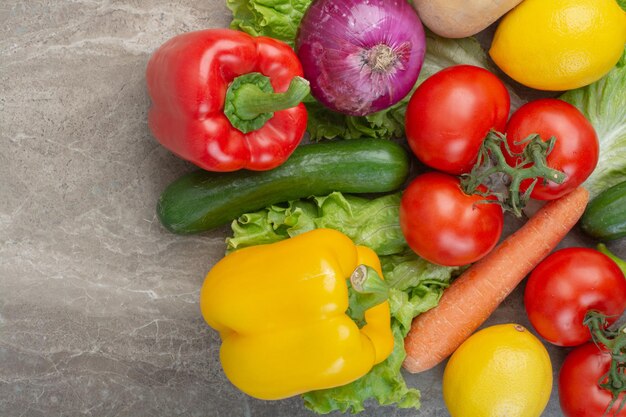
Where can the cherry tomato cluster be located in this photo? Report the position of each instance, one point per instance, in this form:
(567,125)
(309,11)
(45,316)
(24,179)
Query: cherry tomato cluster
(447,120)
(559,296)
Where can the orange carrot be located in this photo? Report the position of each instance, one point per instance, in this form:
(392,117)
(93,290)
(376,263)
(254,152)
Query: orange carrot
(474,295)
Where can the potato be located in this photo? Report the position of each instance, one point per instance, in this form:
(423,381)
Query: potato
(461,18)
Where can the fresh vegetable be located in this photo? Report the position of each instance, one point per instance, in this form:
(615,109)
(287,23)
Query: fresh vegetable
(480,289)
(555,45)
(568,284)
(605,217)
(575,150)
(202,200)
(450,114)
(372,223)
(461,18)
(224,100)
(444,225)
(280,310)
(579,392)
(415,285)
(280,19)
(549,148)
(598,371)
(501,370)
(361,56)
(605,107)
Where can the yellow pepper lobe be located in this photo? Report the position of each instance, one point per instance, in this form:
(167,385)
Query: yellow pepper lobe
(281,313)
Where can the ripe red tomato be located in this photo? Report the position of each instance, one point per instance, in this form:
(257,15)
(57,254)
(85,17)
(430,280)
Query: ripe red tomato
(579,392)
(565,286)
(444,225)
(576,149)
(450,114)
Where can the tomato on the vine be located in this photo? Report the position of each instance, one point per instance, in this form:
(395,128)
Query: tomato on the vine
(444,225)
(450,113)
(575,151)
(579,392)
(565,286)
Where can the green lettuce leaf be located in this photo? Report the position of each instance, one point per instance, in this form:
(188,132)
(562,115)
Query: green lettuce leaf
(415,284)
(280,19)
(604,104)
(372,223)
(324,123)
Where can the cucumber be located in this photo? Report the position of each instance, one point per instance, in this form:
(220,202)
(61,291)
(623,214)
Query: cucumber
(605,216)
(202,200)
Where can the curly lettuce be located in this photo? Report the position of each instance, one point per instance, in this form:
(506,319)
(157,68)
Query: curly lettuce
(416,285)
(604,104)
(278,19)
(371,223)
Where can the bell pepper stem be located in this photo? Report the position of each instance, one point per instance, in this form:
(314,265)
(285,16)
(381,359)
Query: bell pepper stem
(366,290)
(251,100)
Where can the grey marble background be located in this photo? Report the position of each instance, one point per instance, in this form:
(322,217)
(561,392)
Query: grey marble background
(98,304)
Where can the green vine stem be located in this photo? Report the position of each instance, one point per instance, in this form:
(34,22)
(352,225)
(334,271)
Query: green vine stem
(532,166)
(614,340)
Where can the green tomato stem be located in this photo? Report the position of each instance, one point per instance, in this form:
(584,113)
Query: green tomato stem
(532,166)
(615,342)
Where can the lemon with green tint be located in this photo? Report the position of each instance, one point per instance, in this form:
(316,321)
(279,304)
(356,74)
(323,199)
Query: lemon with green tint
(560,44)
(502,370)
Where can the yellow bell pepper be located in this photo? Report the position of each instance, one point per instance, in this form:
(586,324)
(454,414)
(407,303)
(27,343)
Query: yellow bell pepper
(282,313)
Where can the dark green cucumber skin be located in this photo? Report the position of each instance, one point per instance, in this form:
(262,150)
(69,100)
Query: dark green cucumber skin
(202,200)
(605,216)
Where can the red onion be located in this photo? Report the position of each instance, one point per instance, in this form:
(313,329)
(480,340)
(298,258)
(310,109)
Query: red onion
(361,56)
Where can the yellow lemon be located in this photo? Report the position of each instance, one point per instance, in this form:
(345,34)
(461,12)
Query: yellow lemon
(500,371)
(560,44)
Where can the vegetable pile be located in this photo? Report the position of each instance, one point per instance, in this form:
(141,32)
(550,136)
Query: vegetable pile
(378,246)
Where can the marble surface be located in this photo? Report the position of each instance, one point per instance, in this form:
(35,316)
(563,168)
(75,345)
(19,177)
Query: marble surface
(98,303)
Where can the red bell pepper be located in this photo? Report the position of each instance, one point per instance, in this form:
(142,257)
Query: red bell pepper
(225,100)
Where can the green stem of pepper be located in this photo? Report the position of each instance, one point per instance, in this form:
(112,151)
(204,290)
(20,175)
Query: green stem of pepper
(366,290)
(251,101)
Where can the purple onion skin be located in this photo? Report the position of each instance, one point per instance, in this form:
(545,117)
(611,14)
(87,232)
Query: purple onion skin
(361,56)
